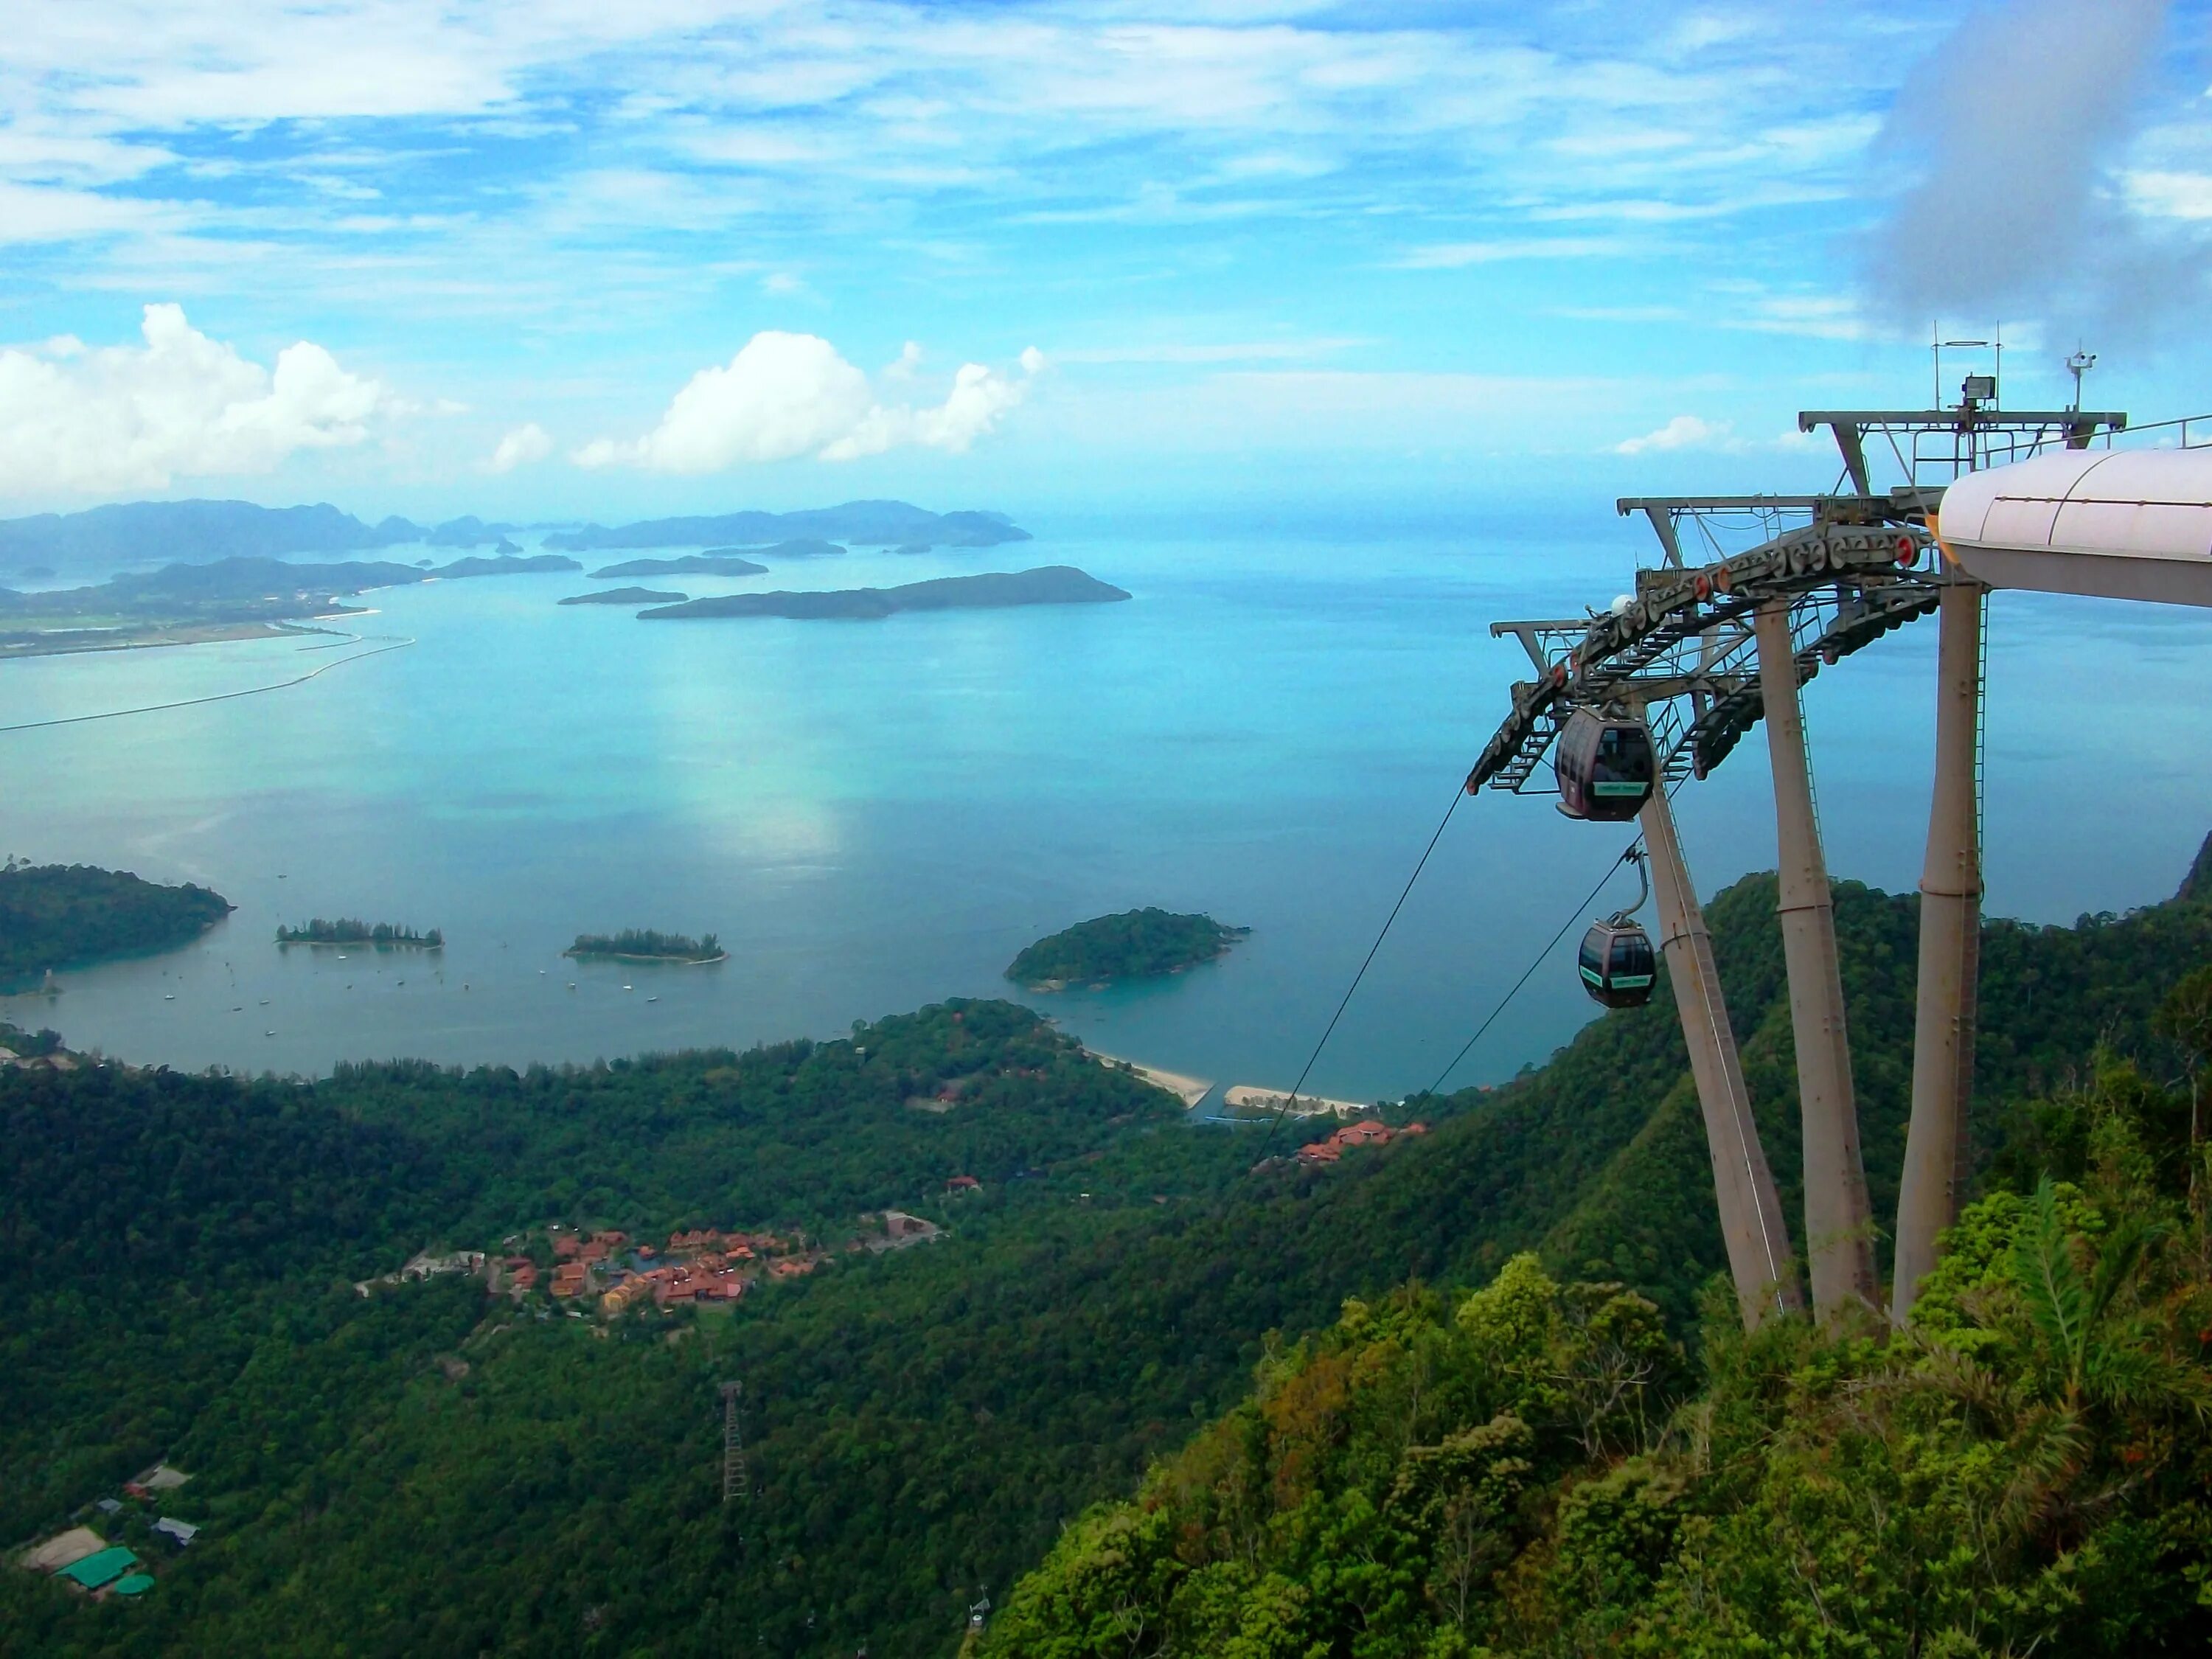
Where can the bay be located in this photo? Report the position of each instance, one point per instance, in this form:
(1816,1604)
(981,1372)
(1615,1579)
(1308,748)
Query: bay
(873,816)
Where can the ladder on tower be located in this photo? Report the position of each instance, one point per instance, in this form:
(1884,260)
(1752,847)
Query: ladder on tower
(735,1485)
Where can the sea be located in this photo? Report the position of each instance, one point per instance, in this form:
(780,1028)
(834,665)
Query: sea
(877,816)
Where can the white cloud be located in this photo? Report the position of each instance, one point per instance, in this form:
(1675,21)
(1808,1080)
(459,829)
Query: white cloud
(785,395)
(1452,256)
(526,446)
(1683,432)
(2169,195)
(99,420)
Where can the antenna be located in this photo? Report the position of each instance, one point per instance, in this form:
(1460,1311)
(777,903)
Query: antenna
(2078,365)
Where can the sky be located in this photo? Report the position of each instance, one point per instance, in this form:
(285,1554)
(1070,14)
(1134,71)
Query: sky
(565,258)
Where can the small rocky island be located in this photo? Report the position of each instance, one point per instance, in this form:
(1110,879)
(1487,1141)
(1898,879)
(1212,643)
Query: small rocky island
(352,930)
(626,596)
(691,564)
(644,944)
(1052,584)
(1133,945)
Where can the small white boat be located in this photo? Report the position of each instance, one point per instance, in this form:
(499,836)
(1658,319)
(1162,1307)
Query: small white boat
(168,996)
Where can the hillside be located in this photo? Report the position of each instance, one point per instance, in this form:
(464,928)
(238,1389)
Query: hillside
(920,1424)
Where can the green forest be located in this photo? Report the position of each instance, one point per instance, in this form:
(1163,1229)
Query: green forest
(351,930)
(645,943)
(1133,945)
(1464,1391)
(54,916)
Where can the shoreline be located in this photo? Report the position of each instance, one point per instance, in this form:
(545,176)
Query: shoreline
(1189,1089)
(80,641)
(1249,1099)
(574,955)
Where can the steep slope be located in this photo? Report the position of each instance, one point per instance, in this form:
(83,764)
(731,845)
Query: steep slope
(922,1425)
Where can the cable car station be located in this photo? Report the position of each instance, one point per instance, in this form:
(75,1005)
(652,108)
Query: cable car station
(1752,597)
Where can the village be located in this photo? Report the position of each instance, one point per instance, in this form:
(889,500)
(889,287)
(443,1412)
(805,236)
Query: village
(86,1559)
(607,1273)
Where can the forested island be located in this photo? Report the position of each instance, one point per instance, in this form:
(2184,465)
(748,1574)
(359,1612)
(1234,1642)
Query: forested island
(644,944)
(351,930)
(1476,1389)
(1132,944)
(692,564)
(1057,584)
(625,596)
(54,916)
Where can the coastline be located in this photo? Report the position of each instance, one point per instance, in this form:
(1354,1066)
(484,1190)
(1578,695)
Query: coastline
(1249,1099)
(622,956)
(75,641)
(1189,1089)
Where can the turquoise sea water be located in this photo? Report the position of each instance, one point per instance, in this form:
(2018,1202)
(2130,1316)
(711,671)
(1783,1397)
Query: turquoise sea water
(874,816)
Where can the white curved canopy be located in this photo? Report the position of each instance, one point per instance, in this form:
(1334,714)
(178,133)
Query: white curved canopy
(2127,524)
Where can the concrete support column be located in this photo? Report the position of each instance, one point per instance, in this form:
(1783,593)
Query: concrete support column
(1839,1218)
(1950,956)
(1751,1227)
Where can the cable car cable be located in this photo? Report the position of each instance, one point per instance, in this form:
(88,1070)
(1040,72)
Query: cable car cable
(1529,972)
(1459,792)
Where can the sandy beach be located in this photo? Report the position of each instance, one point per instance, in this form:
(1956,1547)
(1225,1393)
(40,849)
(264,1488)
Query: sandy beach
(1245,1098)
(1192,1089)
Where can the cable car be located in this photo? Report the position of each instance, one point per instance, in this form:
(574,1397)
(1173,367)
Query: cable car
(1605,766)
(1617,965)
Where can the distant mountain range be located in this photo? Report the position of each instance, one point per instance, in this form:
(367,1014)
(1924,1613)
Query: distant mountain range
(202,533)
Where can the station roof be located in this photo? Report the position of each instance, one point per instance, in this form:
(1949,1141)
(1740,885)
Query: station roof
(2132,524)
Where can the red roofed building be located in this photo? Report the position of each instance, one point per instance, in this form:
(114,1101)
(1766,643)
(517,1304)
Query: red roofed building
(567,1245)
(962,1184)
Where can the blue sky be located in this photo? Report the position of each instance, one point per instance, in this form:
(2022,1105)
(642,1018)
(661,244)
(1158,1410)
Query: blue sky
(566,257)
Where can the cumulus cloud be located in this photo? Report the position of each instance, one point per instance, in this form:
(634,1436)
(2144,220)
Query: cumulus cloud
(98,419)
(1683,432)
(785,395)
(2008,125)
(526,446)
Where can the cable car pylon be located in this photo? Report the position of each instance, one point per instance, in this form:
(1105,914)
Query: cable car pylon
(1756,1237)
(1839,1218)
(1946,1001)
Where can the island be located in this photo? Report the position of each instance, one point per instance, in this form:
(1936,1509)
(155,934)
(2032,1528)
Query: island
(505,563)
(644,944)
(695,564)
(872,524)
(1133,945)
(126,533)
(802,547)
(1054,584)
(55,915)
(351,930)
(626,596)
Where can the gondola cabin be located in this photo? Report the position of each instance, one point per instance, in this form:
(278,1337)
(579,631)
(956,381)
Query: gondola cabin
(1618,968)
(1606,767)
